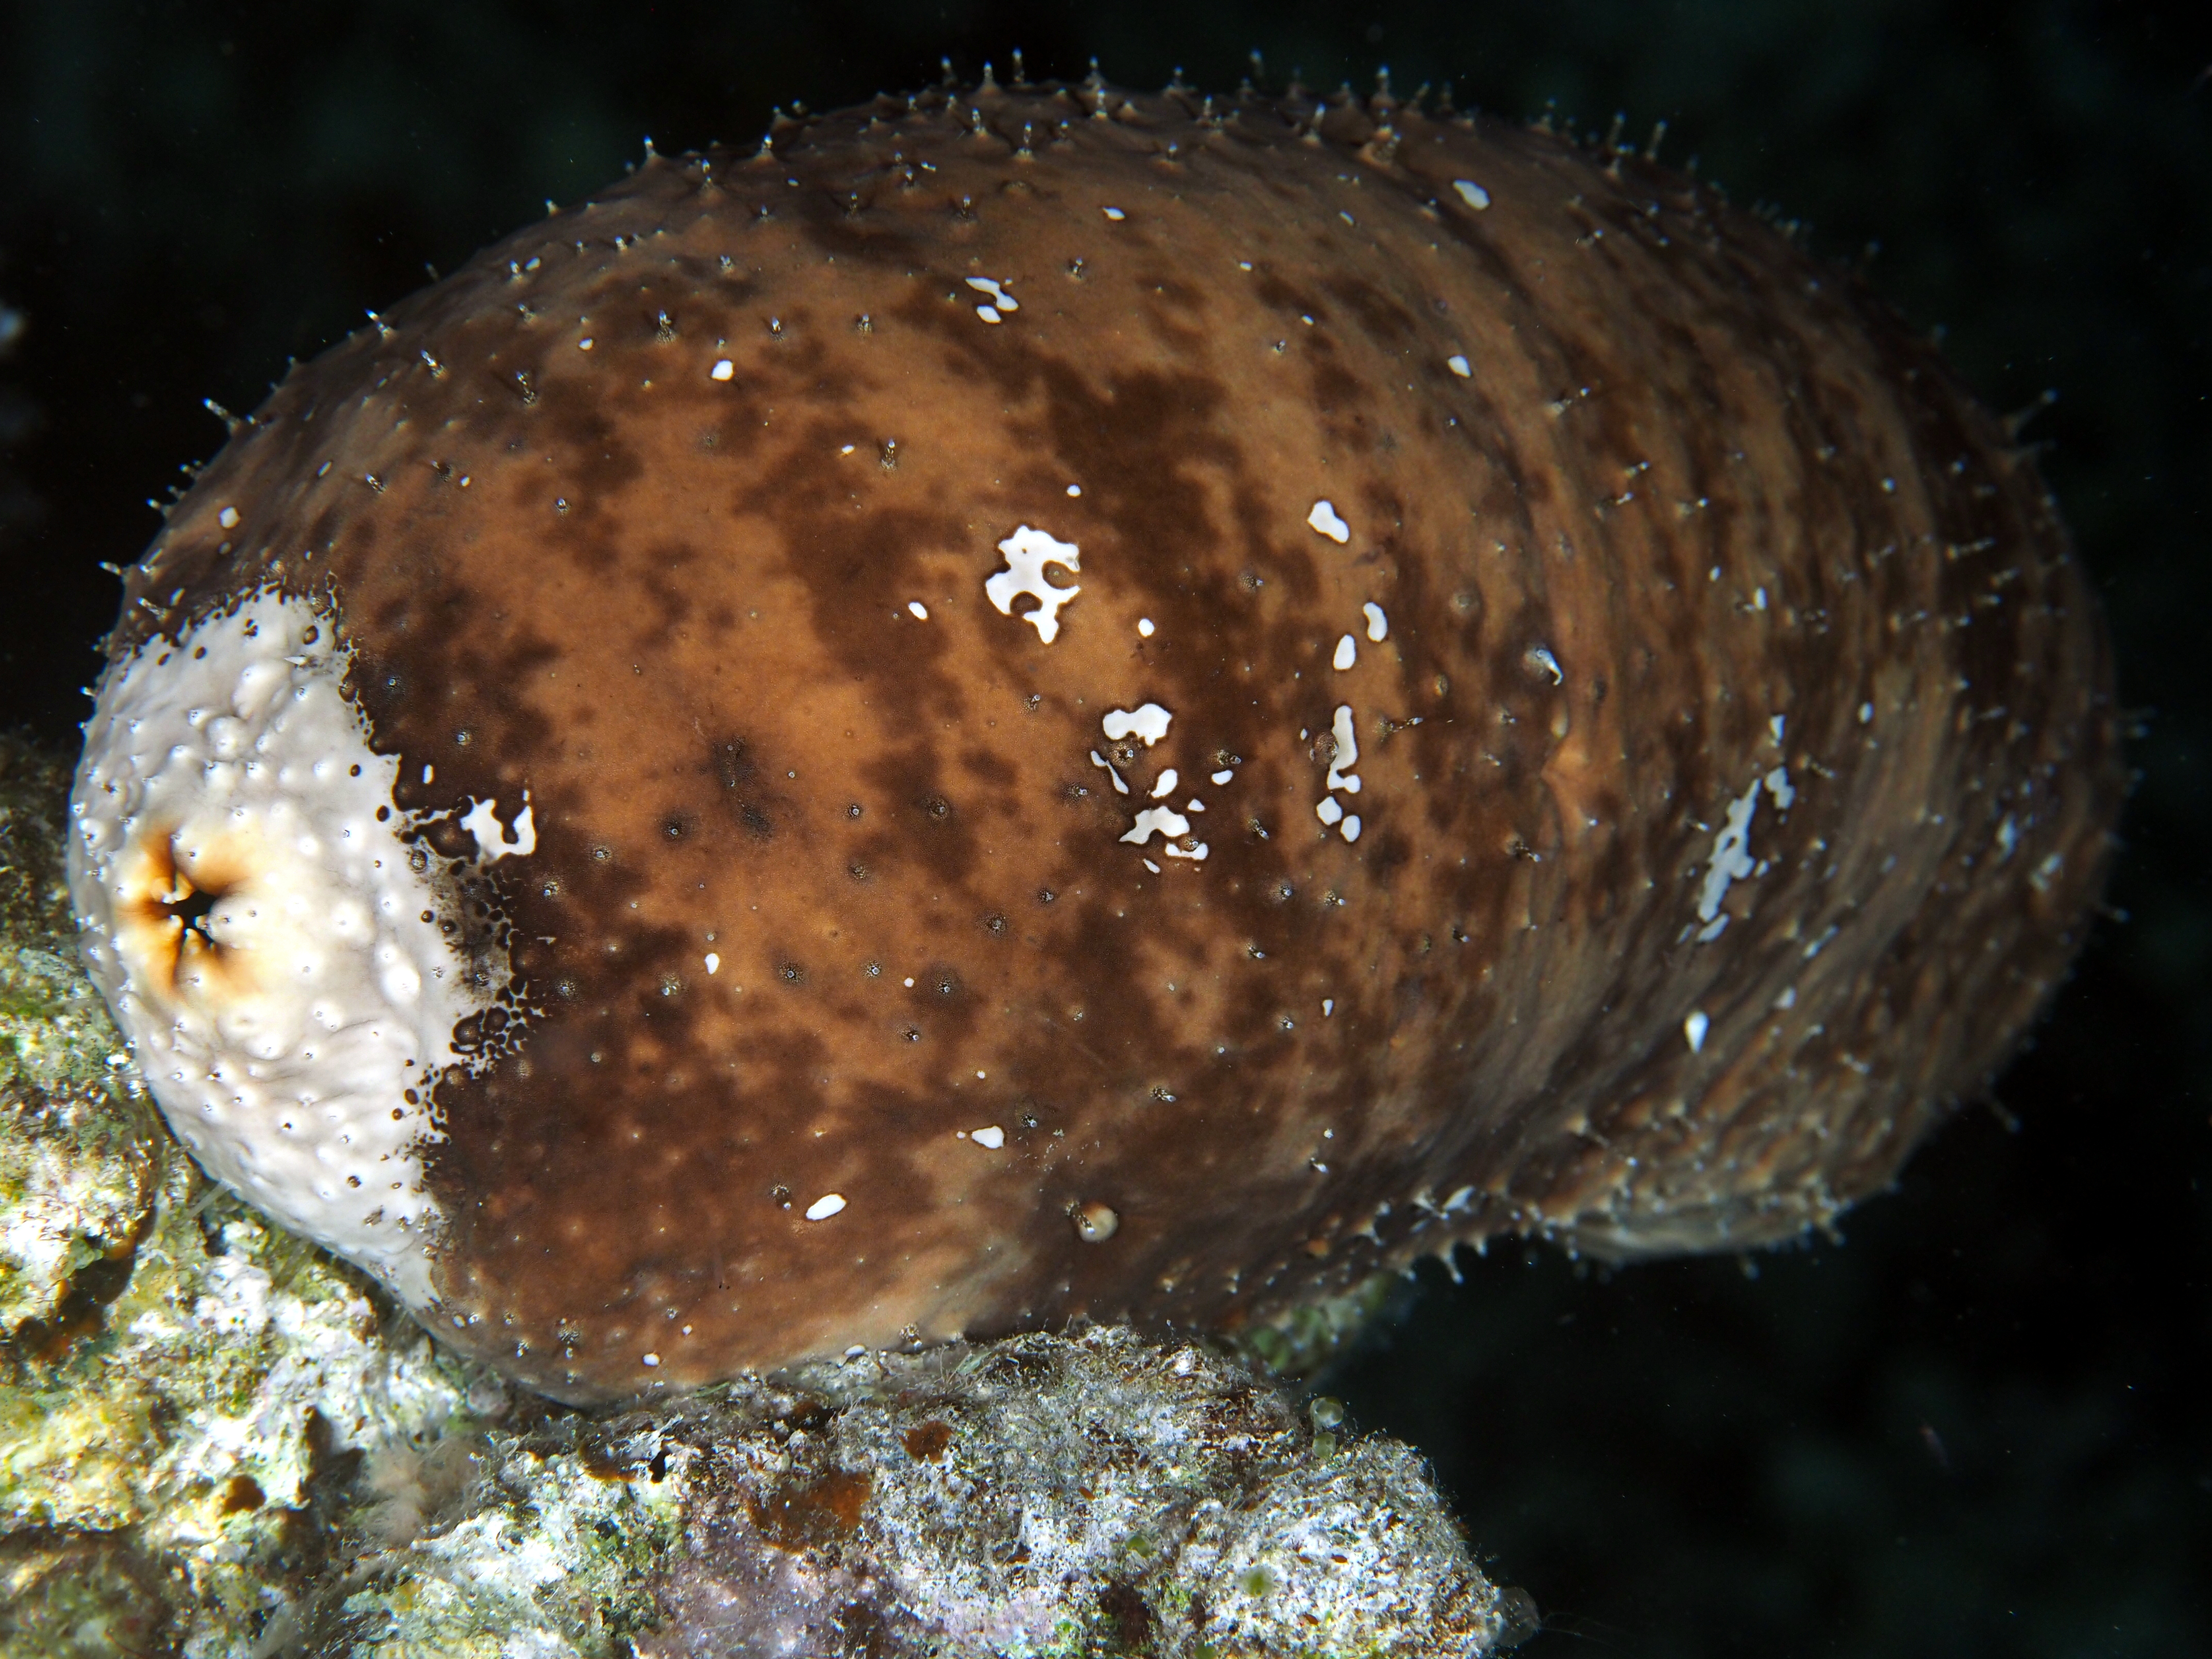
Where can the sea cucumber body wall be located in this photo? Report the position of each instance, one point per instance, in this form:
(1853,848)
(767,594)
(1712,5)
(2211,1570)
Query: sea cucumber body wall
(1049,703)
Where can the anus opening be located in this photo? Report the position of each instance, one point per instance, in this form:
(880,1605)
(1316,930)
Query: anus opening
(168,914)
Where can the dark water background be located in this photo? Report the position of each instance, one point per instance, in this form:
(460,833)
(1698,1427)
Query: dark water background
(1980,1423)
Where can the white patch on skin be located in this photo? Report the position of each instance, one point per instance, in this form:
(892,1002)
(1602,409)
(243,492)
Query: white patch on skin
(1328,811)
(1866,713)
(1323,519)
(281,1027)
(228,517)
(999,301)
(1459,366)
(917,610)
(1351,827)
(1775,725)
(1694,1029)
(1223,776)
(990,1138)
(1097,759)
(1327,1007)
(1347,654)
(1194,805)
(1165,785)
(1115,214)
(722,370)
(713,963)
(1778,784)
(1144,628)
(1347,753)
(1165,819)
(1472,193)
(1027,552)
(1148,721)
(825,1206)
(482,821)
(1378,625)
(1731,861)
(1197,853)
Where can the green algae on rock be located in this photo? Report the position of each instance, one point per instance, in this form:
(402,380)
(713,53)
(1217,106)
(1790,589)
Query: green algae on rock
(84,1151)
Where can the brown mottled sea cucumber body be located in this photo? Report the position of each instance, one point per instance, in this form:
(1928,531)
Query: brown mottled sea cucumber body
(1640,747)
